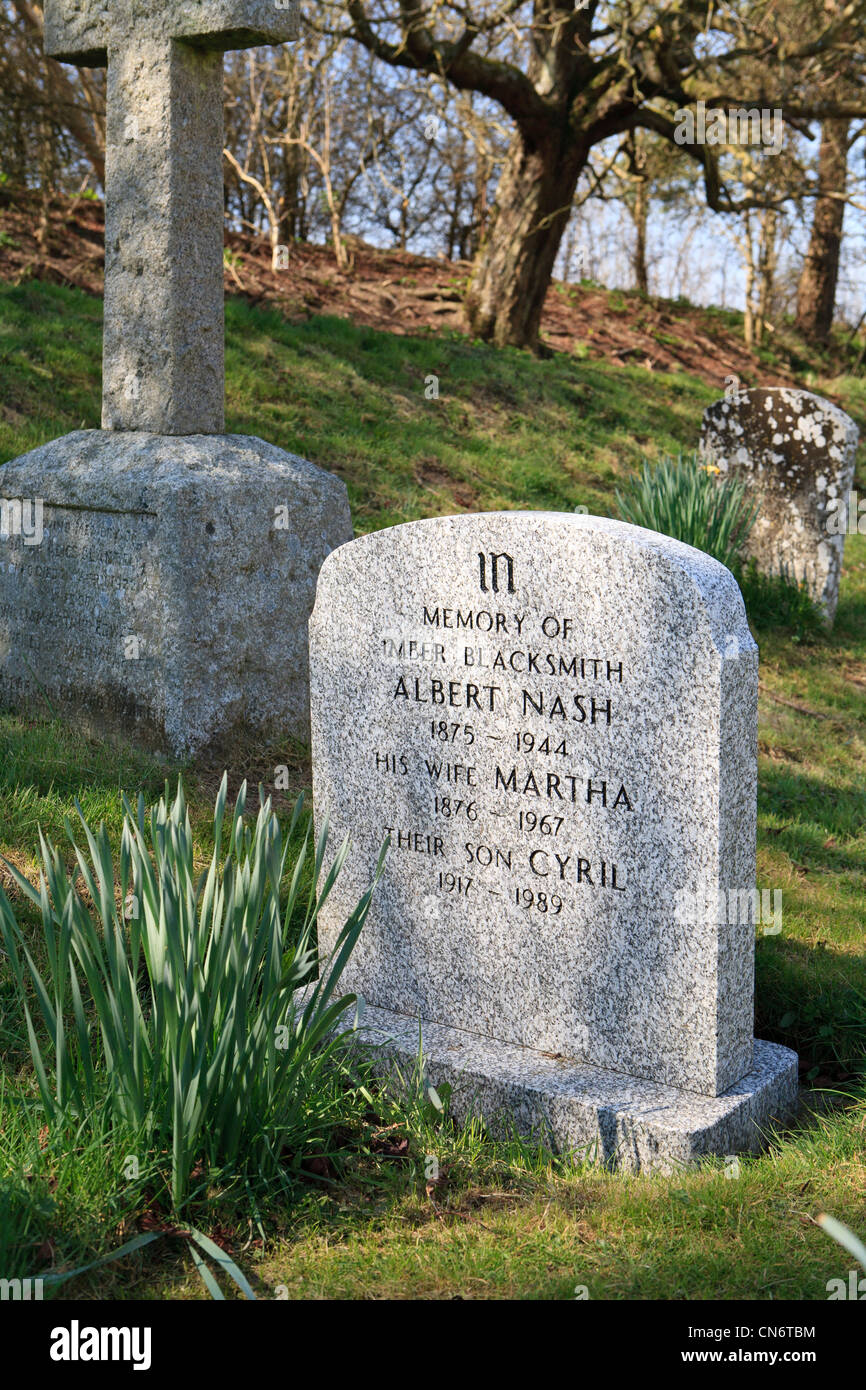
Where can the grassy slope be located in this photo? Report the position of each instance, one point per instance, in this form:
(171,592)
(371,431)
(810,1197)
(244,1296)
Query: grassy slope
(506,431)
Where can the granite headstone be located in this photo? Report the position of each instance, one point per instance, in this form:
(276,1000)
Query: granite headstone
(553,720)
(165,593)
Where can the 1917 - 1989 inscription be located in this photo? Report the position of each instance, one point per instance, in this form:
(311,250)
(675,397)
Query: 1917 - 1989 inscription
(532,709)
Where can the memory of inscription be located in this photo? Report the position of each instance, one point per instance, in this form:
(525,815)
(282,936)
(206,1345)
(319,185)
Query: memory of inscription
(533,715)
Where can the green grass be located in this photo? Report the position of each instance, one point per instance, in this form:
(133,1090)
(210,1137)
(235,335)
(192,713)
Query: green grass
(506,430)
(504,1220)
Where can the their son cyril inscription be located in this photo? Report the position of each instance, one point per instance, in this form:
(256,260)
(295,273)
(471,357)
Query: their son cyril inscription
(554,719)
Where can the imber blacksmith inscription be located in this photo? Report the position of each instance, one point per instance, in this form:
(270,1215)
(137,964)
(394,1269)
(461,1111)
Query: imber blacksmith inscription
(549,718)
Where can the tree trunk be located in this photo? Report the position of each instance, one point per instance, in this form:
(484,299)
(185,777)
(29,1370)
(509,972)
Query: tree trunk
(289,216)
(641,208)
(515,262)
(767,258)
(751,275)
(340,254)
(816,290)
(454,242)
(480,205)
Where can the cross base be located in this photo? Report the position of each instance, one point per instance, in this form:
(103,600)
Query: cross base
(164,594)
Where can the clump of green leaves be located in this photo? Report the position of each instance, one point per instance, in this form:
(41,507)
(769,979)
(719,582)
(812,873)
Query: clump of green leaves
(171,999)
(683,497)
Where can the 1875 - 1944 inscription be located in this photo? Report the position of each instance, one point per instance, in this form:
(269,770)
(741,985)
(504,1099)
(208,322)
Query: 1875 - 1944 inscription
(551,719)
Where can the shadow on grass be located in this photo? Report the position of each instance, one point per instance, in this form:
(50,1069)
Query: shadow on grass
(47,766)
(816,808)
(813,999)
(28,1220)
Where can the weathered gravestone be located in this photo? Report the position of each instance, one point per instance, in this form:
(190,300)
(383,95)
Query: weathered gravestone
(796,451)
(554,720)
(167,592)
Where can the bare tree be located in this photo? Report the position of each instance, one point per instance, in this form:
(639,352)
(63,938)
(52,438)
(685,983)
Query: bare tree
(571,73)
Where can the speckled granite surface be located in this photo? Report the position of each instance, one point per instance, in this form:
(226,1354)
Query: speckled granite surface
(555,719)
(797,452)
(163,368)
(631,1125)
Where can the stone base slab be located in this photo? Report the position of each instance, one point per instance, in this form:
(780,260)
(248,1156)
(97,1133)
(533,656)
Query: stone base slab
(626,1124)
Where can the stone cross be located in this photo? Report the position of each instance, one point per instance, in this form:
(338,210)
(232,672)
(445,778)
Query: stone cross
(163,353)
